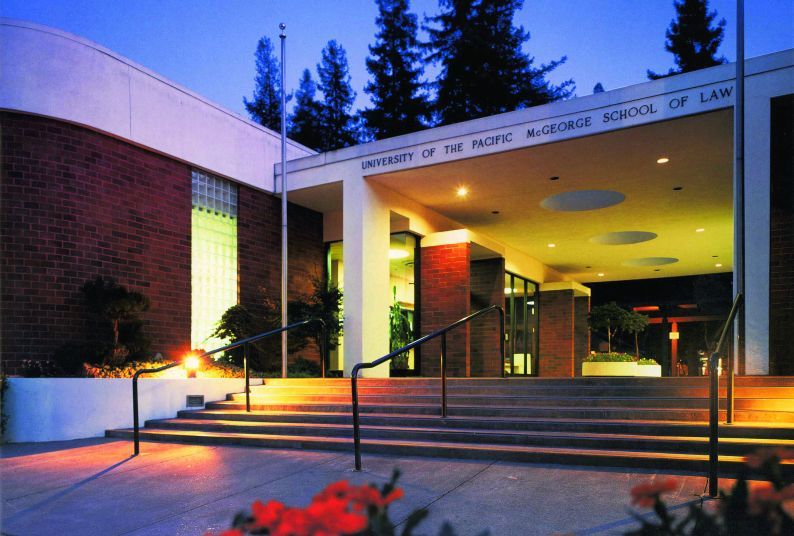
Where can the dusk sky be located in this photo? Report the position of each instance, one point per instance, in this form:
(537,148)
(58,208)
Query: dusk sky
(208,45)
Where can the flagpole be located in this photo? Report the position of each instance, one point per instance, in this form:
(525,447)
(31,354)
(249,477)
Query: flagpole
(284,318)
(738,203)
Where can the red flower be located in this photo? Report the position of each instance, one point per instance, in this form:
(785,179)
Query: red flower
(645,495)
(265,515)
(765,497)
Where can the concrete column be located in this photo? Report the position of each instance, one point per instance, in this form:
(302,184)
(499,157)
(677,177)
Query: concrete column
(756,231)
(366,253)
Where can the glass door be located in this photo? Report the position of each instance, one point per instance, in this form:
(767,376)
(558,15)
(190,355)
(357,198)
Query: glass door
(521,326)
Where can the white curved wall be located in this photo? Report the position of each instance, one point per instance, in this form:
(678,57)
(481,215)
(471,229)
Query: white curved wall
(47,72)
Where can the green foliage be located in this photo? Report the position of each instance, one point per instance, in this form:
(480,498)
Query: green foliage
(304,123)
(609,357)
(646,361)
(691,38)
(634,323)
(760,509)
(337,125)
(400,105)
(265,108)
(241,321)
(608,317)
(401,332)
(115,304)
(35,368)
(303,368)
(71,356)
(484,70)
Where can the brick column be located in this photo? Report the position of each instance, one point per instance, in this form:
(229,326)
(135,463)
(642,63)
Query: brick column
(557,333)
(581,332)
(487,288)
(445,287)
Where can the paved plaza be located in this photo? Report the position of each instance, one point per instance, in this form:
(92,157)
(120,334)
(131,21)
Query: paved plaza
(94,487)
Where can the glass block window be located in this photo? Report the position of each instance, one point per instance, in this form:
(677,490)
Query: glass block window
(213,256)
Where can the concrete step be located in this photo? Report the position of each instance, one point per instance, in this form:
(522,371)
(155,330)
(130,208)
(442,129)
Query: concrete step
(659,428)
(260,397)
(486,451)
(551,412)
(740,381)
(511,389)
(678,444)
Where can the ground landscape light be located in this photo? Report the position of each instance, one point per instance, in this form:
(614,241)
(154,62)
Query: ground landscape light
(191,364)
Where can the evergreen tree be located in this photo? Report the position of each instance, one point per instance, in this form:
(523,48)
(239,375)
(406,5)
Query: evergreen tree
(484,70)
(400,106)
(337,125)
(265,108)
(692,39)
(304,122)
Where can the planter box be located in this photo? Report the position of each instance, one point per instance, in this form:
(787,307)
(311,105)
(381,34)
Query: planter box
(619,368)
(654,371)
(57,409)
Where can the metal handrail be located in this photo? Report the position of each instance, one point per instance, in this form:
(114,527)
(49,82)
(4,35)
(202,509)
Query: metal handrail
(714,407)
(391,355)
(242,342)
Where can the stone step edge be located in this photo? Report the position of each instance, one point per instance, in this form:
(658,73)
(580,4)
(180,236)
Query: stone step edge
(154,423)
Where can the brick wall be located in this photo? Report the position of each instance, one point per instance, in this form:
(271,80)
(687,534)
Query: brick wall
(76,204)
(487,288)
(445,284)
(259,256)
(557,333)
(581,332)
(781,244)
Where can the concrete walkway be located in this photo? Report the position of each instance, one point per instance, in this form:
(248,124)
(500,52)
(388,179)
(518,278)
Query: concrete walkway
(94,486)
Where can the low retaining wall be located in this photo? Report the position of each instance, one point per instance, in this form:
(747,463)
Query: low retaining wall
(56,409)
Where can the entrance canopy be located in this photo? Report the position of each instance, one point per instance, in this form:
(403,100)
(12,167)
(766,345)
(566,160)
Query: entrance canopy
(600,204)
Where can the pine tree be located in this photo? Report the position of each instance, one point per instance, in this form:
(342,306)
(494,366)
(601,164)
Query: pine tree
(484,70)
(400,106)
(337,125)
(265,108)
(692,39)
(304,123)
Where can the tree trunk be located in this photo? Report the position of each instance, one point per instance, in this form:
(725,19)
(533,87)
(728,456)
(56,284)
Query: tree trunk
(115,333)
(609,338)
(637,344)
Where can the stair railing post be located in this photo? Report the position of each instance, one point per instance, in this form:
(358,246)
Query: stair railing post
(136,432)
(444,375)
(356,431)
(713,424)
(729,388)
(247,379)
(502,338)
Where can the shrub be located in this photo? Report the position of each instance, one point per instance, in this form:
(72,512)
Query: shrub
(647,361)
(34,368)
(339,509)
(609,357)
(764,509)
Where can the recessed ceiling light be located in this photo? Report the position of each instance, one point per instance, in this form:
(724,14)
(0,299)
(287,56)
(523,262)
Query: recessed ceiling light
(662,160)
(600,274)
(552,245)
(588,266)
(554,178)
(699,230)
(718,265)
(714,256)
(678,188)
(462,191)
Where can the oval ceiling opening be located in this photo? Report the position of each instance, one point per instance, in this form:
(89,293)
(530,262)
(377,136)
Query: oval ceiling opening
(578,200)
(649,261)
(620,238)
